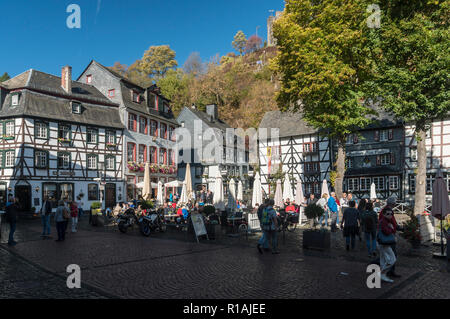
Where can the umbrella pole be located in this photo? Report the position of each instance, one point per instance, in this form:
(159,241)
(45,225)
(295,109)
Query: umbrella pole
(442,239)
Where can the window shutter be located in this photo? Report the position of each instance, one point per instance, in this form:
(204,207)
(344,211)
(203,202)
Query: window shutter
(378,160)
(390,134)
(377,135)
(392,159)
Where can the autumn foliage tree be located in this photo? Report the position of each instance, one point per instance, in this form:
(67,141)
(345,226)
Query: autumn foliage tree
(239,42)
(253,44)
(323,64)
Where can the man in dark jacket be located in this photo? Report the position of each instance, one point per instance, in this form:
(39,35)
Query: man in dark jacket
(11,217)
(46,211)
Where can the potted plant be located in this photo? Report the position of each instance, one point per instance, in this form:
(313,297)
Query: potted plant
(96,212)
(314,238)
(411,231)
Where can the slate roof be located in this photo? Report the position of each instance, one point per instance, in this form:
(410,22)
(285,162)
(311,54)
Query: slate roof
(41,96)
(48,83)
(289,123)
(142,107)
(218,123)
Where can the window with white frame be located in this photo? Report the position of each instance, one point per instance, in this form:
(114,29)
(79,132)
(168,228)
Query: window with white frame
(15,100)
(89,79)
(393,182)
(413,153)
(41,159)
(76,108)
(379,183)
(9,128)
(64,132)
(110,137)
(1,159)
(385,159)
(430,181)
(9,158)
(41,130)
(92,161)
(383,135)
(135,95)
(64,160)
(365,183)
(110,163)
(91,135)
(316,188)
(352,184)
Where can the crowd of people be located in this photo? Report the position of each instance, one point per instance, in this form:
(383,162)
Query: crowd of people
(359,217)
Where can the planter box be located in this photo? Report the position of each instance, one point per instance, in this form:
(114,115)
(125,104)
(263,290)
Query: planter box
(315,239)
(214,231)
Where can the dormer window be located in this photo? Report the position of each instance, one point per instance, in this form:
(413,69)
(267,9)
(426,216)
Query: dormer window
(89,79)
(76,108)
(15,99)
(135,96)
(112,93)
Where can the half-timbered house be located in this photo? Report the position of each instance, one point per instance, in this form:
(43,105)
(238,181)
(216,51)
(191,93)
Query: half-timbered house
(59,138)
(150,134)
(438,156)
(374,155)
(298,150)
(233,162)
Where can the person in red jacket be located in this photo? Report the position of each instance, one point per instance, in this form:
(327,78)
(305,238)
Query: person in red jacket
(390,204)
(74,215)
(387,257)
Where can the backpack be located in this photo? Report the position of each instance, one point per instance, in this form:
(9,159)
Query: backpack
(368,223)
(265,218)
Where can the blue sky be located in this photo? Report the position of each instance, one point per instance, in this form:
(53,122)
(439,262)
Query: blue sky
(35,35)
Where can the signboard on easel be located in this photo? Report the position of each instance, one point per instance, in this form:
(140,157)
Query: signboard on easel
(199,225)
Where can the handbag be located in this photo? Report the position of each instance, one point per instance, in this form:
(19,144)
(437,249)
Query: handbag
(66,213)
(384,239)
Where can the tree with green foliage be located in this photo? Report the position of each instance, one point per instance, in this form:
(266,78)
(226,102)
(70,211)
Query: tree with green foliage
(4,77)
(411,50)
(323,64)
(157,60)
(239,42)
(174,85)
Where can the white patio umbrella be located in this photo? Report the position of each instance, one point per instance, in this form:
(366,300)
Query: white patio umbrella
(299,197)
(373,191)
(240,192)
(278,195)
(141,185)
(218,199)
(160,197)
(287,189)
(232,195)
(183,196)
(325,188)
(147,190)
(257,192)
(188,181)
(174,183)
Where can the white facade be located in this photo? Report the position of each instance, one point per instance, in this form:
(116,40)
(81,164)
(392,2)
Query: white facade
(37,169)
(438,156)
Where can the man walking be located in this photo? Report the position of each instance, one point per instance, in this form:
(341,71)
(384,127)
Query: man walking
(262,242)
(11,217)
(46,211)
(270,225)
(332,206)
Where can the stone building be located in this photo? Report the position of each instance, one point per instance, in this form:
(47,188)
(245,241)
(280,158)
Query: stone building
(150,127)
(61,139)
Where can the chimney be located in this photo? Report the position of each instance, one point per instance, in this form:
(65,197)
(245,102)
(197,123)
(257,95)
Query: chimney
(66,78)
(213,112)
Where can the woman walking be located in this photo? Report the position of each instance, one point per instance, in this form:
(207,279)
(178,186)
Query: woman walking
(323,203)
(61,217)
(386,237)
(361,209)
(349,224)
(74,215)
